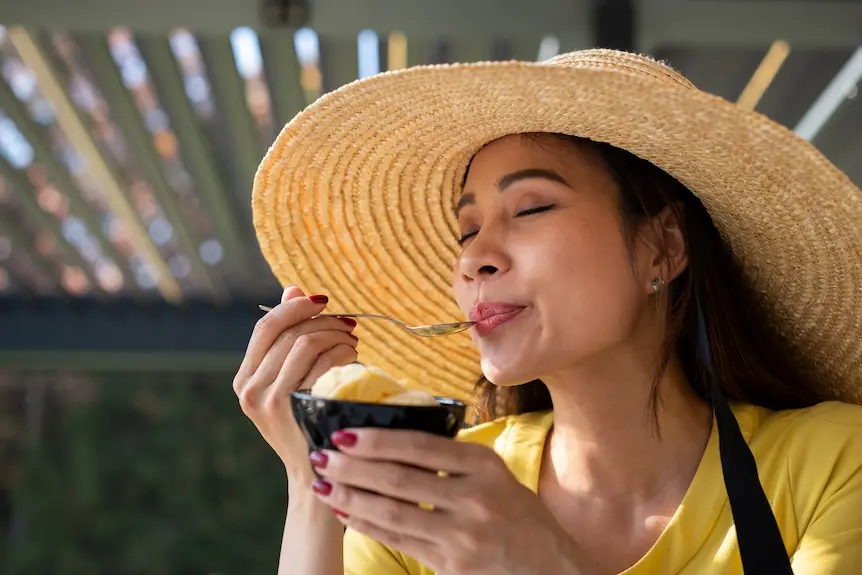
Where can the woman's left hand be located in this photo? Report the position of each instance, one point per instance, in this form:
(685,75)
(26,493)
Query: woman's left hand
(483,520)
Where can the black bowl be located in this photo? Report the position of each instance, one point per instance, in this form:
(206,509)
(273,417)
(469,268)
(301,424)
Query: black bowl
(319,417)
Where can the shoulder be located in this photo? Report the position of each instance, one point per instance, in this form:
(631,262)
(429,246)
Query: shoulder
(504,430)
(831,421)
(825,436)
(817,451)
(828,433)
(487,432)
(518,440)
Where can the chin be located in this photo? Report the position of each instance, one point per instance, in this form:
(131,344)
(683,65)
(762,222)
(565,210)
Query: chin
(507,375)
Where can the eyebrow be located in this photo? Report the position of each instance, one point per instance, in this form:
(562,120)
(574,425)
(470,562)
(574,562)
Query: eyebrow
(508,180)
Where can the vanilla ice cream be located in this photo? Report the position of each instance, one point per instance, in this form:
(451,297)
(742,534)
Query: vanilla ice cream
(356,382)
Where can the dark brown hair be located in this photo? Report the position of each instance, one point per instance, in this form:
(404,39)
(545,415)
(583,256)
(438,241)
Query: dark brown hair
(749,362)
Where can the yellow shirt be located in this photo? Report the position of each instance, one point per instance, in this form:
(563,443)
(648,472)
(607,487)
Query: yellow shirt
(810,464)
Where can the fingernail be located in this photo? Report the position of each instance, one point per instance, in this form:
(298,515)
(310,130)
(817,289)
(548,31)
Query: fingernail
(349,321)
(319,459)
(318,298)
(353,336)
(321,487)
(344,438)
(341,514)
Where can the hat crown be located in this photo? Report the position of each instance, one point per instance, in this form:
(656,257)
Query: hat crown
(622,62)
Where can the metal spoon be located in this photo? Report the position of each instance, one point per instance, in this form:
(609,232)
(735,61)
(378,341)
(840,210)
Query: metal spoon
(433,330)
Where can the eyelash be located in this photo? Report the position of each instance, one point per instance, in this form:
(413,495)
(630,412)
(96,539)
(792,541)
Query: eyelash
(527,212)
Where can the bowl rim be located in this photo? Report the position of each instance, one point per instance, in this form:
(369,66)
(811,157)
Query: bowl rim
(445,402)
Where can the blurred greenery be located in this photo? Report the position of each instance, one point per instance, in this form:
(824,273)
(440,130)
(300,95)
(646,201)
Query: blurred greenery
(145,475)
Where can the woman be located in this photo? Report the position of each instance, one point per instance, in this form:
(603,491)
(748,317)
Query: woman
(664,286)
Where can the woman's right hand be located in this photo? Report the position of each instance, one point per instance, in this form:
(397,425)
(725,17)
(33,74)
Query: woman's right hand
(289,349)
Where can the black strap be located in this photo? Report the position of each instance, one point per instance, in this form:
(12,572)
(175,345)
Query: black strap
(760,545)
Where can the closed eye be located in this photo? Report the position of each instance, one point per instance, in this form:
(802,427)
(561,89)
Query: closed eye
(531,211)
(527,212)
(466,237)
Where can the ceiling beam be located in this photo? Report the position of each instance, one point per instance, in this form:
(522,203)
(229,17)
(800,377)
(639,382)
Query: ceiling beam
(472,49)
(20,241)
(614,24)
(525,48)
(282,70)
(70,120)
(847,159)
(329,17)
(244,145)
(749,23)
(339,61)
(418,50)
(124,335)
(125,113)
(840,138)
(26,196)
(195,147)
(38,138)
(738,23)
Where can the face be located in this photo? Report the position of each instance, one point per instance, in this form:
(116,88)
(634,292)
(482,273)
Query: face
(545,264)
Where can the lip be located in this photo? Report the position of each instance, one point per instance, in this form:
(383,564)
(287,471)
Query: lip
(491,315)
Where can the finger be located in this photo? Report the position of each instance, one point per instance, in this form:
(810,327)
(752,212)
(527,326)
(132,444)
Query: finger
(420,449)
(273,323)
(246,368)
(338,355)
(284,373)
(304,354)
(291,292)
(423,550)
(387,513)
(274,361)
(396,480)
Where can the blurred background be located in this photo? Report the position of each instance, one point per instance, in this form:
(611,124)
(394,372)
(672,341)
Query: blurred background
(129,272)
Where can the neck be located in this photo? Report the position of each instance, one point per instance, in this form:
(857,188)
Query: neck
(609,438)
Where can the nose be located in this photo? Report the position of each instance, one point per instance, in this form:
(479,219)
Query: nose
(482,258)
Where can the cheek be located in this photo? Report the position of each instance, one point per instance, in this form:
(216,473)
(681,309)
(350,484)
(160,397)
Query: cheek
(586,288)
(583,257)
(590,265)
(585,300)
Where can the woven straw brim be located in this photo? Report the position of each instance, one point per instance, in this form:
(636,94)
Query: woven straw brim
(355,200)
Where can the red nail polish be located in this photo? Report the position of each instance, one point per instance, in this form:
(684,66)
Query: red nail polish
(318,299)
(344,438)
(321,487)
(319,459)
(341,514)
(349,321)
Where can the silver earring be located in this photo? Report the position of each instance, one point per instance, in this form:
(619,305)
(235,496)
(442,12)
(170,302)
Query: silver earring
(657,283)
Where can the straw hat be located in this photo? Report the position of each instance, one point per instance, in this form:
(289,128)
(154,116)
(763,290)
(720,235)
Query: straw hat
(355,199)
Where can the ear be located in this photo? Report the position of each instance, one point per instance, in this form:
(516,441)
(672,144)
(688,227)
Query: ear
(669,253)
